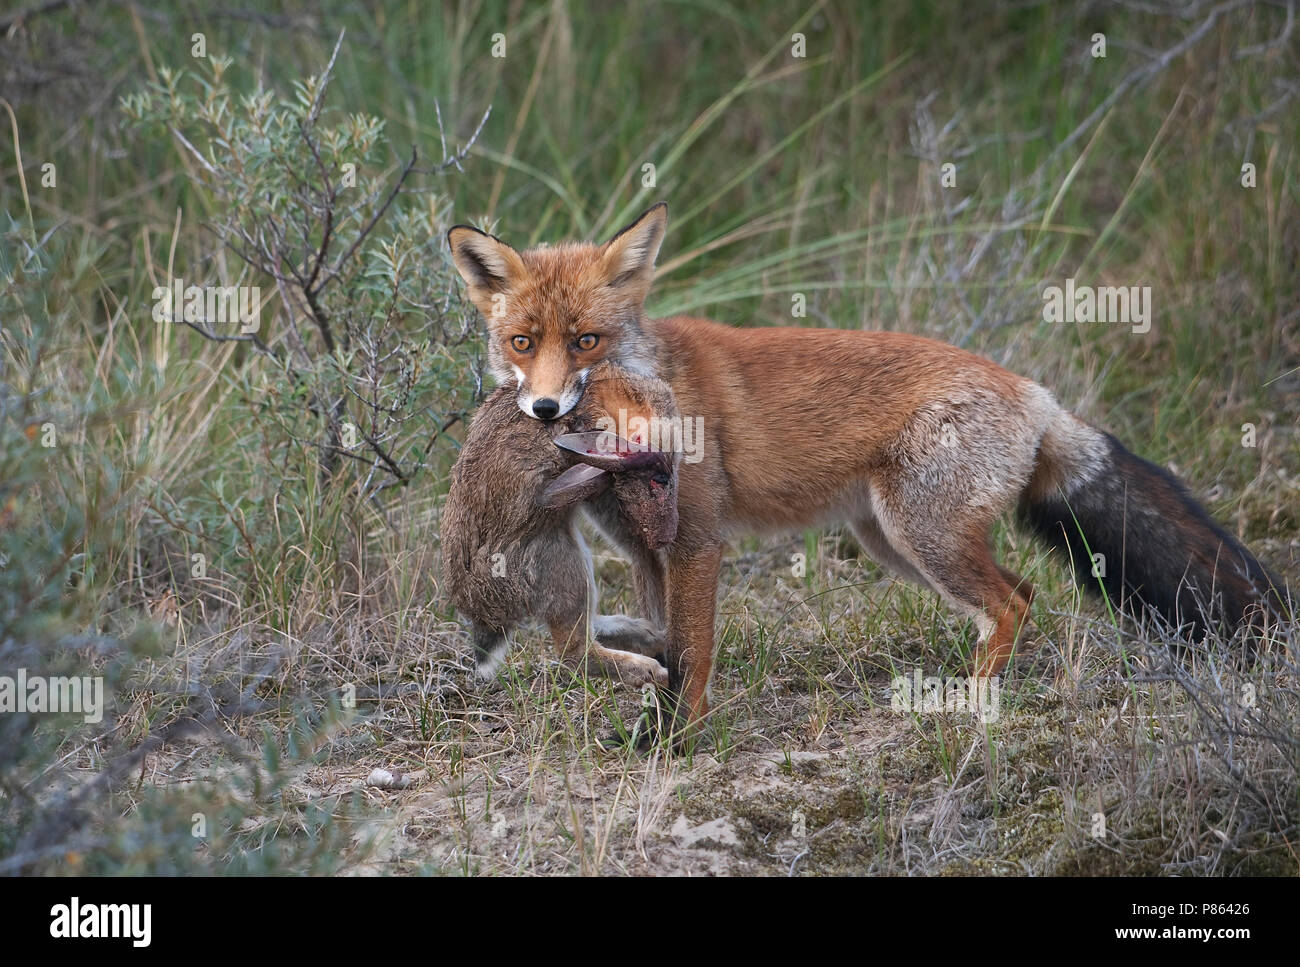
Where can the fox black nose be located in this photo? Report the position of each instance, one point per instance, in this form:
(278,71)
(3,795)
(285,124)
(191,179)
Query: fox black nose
(545,409)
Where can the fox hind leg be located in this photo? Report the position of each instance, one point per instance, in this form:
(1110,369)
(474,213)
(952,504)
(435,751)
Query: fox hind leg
(998,599)
(958,563)
(1022,586)
(873,540)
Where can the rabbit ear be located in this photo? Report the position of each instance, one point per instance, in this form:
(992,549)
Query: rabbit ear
(596,448)
(609,451)
(580,482)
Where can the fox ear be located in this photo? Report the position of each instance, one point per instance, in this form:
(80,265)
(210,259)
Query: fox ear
(487,264)
(629,257)
(580,482)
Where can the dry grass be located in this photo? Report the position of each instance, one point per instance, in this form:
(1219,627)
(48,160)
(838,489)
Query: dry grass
(807,768)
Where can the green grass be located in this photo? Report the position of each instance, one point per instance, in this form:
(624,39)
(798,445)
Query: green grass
(816,176)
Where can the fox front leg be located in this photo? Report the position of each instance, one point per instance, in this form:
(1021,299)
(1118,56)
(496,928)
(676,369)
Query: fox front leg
(693,597)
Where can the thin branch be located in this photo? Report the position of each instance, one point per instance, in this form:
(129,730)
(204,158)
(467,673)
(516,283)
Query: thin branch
(333,271)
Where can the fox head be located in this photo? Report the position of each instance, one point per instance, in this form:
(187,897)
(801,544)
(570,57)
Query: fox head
(554,312)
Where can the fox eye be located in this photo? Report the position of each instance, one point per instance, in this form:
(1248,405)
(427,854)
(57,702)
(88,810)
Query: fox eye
(588,341)
(521,343)
(662,479)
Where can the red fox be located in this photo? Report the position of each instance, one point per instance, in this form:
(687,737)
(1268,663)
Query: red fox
(917,445)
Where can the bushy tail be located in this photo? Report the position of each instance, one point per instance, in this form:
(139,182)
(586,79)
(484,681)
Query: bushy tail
(1158,547)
